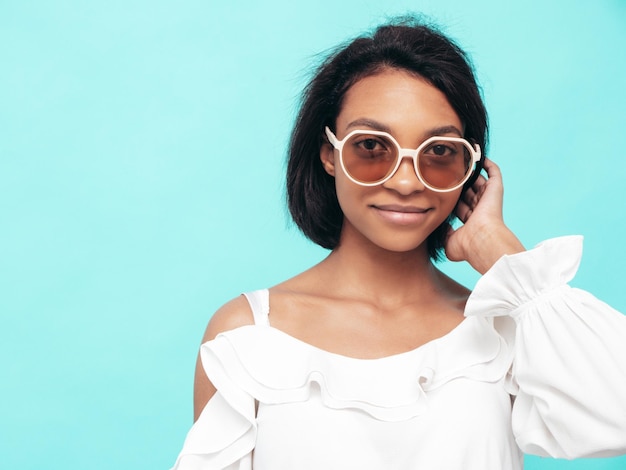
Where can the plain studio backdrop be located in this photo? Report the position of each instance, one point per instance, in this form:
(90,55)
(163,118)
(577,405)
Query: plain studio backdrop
(142,150)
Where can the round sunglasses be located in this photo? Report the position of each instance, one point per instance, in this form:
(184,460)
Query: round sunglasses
(369,158)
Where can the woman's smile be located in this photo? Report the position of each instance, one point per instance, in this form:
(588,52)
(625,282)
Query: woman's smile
(402,214)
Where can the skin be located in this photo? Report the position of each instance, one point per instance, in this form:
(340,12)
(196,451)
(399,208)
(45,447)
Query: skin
(378,293)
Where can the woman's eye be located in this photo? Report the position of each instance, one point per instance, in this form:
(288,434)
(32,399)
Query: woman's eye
(370,144)
(442,150)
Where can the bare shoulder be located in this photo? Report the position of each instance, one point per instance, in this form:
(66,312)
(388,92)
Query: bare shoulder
(231,315)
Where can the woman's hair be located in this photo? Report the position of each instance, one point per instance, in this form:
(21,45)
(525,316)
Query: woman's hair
(404,44)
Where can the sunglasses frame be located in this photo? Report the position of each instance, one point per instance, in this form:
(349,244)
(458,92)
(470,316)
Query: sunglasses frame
(404,153)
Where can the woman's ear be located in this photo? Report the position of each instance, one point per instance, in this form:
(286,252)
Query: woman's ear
(327,156)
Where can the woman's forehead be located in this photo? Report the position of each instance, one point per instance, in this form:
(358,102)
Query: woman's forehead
(393,101)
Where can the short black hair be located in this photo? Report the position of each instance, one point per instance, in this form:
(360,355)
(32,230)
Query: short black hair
(406,44)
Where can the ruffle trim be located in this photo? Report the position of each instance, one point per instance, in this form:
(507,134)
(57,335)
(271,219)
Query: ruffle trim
(516,280)
(223,437)
(273,367)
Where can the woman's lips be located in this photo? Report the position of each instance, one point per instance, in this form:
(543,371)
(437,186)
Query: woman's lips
(402,215)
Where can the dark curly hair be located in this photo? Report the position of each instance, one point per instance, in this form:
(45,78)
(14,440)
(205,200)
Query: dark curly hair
(405,44)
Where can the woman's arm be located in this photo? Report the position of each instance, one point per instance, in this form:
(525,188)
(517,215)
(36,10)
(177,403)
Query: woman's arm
(568,374)
(569,348)
(224,429)
(232,315)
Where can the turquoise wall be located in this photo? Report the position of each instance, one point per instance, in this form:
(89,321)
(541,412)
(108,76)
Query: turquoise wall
(141,159)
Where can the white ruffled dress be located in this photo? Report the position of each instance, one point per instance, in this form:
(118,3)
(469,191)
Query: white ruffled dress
(536,367)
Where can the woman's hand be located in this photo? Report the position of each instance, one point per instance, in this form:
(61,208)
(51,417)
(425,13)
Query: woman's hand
(483,238)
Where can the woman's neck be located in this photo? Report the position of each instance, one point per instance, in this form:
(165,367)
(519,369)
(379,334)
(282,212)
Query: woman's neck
(357,268)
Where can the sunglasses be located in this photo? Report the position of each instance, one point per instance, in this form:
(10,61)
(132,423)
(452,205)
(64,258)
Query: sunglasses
(369,158)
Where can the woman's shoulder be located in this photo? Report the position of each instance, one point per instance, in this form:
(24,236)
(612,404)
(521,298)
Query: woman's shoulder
(237,312)
(233,314)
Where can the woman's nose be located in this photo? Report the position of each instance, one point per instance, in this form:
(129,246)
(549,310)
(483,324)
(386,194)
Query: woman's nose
(405,180)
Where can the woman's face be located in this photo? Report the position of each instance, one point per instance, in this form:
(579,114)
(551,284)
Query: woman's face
(401,213)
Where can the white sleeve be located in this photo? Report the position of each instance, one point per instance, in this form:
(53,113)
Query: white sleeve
(569,366)
(223,437)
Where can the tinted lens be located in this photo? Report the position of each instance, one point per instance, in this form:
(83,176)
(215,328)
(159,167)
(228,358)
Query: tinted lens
(368,157)
(444,163)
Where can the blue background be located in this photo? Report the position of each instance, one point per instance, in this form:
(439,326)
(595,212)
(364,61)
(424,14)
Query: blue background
(142,153)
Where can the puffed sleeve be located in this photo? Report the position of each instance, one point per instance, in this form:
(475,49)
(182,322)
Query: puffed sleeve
(568,371)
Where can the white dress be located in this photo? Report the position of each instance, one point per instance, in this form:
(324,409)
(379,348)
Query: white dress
(448,404)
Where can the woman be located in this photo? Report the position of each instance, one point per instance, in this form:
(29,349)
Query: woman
(374,358)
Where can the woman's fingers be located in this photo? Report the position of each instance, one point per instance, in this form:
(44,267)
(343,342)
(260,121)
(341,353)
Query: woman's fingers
(463,211)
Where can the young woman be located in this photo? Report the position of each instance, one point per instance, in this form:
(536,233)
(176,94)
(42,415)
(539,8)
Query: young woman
(374,359)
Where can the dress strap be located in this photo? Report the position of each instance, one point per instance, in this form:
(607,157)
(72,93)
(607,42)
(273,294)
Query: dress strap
(259,301)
